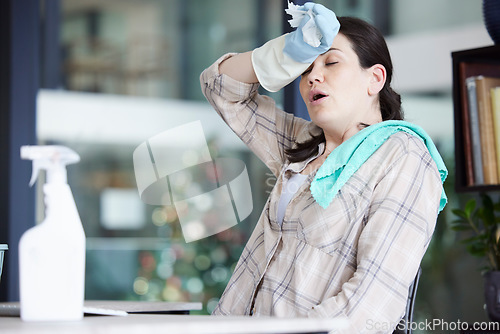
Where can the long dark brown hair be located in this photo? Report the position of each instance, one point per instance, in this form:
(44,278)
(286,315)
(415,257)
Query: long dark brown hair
(370,47)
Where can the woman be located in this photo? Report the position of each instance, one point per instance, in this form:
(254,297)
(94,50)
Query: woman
(357,193)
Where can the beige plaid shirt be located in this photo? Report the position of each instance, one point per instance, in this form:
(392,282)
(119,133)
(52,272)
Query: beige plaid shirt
(355,259)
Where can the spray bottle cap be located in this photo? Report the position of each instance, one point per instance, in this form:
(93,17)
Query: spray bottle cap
(52,158)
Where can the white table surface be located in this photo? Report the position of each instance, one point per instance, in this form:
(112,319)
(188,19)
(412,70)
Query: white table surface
(114,307)
(171,324)
(143,306)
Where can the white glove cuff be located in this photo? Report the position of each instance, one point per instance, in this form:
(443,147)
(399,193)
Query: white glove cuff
(273,68)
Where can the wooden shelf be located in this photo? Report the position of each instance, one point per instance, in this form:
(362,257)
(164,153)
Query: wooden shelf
(482,61)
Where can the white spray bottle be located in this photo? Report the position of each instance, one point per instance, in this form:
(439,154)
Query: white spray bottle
(52,254)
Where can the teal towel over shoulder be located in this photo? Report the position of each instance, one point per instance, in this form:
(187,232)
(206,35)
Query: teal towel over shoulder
(346,159)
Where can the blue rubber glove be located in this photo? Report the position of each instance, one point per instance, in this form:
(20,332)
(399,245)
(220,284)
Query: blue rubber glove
(328,25)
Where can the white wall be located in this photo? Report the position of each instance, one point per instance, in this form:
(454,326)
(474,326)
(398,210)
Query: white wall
(112,119)
(422,61)
(409,16)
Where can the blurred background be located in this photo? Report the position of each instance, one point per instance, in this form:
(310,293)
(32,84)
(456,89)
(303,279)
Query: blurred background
(121,71)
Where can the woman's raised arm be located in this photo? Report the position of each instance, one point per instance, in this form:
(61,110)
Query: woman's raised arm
(239,67)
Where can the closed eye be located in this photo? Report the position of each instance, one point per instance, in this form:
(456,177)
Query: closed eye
(310,68)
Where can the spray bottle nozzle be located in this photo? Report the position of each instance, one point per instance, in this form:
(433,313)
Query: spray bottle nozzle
(52,158)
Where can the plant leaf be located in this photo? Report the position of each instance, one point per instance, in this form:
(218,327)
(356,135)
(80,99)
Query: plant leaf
(487,211)
(470,206)
(459,213)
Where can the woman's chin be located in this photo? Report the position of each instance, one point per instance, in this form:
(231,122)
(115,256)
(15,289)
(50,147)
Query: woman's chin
(323,120)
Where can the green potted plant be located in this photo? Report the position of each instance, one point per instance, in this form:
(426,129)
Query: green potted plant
(480,227)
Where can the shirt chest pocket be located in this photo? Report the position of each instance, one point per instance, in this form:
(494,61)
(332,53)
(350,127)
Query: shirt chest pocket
(324,229)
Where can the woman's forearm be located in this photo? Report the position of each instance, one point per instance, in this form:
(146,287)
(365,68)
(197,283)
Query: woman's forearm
(239,67)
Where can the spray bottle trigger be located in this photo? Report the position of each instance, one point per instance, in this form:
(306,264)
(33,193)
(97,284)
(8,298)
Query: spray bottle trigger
(34,173)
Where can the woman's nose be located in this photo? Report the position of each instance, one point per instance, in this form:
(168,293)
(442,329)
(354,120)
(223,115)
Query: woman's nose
(315,75)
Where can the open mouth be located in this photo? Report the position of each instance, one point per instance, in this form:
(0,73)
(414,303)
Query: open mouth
(318,96)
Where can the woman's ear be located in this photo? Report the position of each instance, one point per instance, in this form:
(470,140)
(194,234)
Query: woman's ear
(378,76)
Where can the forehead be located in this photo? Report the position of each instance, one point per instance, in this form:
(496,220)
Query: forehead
(342,44)
(342,47)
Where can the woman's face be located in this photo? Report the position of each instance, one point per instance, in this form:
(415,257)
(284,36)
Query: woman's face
(335,87)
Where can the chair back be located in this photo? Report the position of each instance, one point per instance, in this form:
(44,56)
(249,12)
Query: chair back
(407,320)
